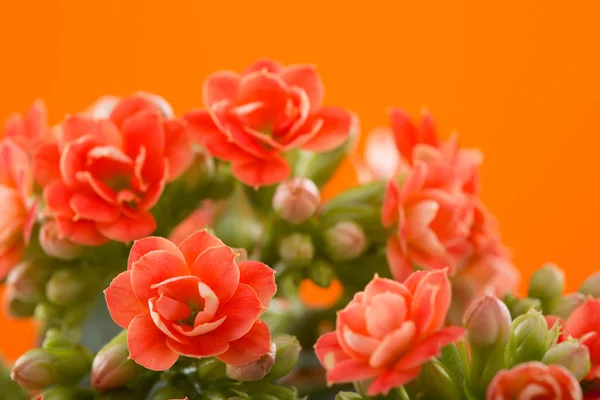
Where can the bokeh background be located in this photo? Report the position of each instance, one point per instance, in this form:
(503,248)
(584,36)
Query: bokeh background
(520,80)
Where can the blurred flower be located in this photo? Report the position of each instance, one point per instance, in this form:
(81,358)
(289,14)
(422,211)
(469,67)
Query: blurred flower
(317,297)
(28,279)
(192,300)
(68,286)
(387,332)
(18,214)
(535,380)
(112,171)
(345,240)
(296,200)
(433,220)
(112,368)
(254,117)
(55,245)
(202,218)
(572,355)
(381,159)
(487,321)
(584,324)
(29,131)
(103,107)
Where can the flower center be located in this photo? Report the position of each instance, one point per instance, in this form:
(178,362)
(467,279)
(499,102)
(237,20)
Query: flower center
(195,309)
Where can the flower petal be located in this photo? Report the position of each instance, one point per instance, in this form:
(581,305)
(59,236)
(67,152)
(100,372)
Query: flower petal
(57,196)
(242,310)
(129,106)
(390,380)
(429,348)
(337,126)
(153,268)
(379,285)
(431,301)
(249,347)
(393,346)
(386,313)
(177,147)
(261,172)
(145,129)
(307,78)
(329,352)
(93,208)
(263,65)
(143,246)
(122,303)
(125,229)
(9,257)
(80,232)
(405,132)
(351,371)
(73,158)
(391,203)
(400,265)
(147,345)
(259,277)
(47,164)
(200,346)
(196,243)
(222,85)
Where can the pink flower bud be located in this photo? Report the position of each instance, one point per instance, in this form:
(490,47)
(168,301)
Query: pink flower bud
(296,249)
(572,355)
(112,368)
(33,371)
(591,286)
(55,245)
(345,240)
(487,320)
(255,370)
(27,280)
(296,200)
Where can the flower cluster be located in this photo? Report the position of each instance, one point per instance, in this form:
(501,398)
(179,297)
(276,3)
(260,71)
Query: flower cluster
(206,236)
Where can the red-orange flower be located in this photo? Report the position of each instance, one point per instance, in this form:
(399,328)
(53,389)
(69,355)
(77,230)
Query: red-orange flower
(387,332)
(254,117)
(31,130)
(534,380)
(18,211)
(433,219)
(102,177)
(191,300)
(584,324)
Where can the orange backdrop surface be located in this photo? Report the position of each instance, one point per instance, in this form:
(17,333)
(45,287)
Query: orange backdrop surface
(518,80)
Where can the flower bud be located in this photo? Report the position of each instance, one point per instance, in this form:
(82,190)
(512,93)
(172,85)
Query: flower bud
(112,368)
(521,306)
(288,351)
(14,306)
(68,286)
(296,200)
(572,355)
(591,286)
(321,273)
(27,280)
(33,370)
(487,320)
(55,245)
(529,338)
(564,306)
(255,370)
(547,283)
(210,369)
(345,240)
(296,249)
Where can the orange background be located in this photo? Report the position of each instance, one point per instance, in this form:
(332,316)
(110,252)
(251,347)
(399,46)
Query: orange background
(520,81)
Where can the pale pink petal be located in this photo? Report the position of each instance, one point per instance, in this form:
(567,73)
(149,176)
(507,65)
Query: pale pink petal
(394,346)
(385,313)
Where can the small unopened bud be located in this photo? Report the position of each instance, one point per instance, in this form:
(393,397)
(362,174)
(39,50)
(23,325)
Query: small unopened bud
(572,355)
(591,286)
(296,200)
(14,306)
(55,245)
(521,306)
(33,370)
(112,368)
(564,306)
(345,240)
(288,351)
(210,369)
(529,338)
(255,370)
(487,320)
(296,249)
(68,286)
(27,280)
(321,273)
(547,283)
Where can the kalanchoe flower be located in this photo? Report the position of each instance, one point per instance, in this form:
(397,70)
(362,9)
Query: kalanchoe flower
(433,219)
(584,324)
(18,212)
(112,368)
(345,240)
(572,355)
(191,300)
(296,200)
(105,175)
(387,332)
(534,380)
(253,118)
